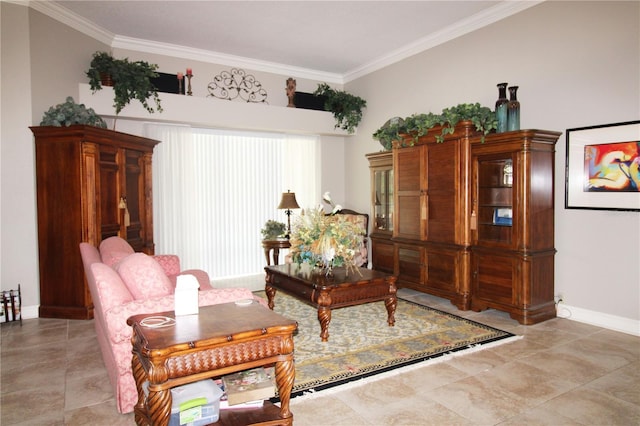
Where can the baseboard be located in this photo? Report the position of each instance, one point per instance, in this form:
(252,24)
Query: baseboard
(600,319)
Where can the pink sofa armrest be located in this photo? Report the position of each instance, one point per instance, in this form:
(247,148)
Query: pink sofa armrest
(201,276)
(170,263)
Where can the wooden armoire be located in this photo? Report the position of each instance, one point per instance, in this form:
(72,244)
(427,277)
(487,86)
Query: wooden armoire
(92,184)
(474,219)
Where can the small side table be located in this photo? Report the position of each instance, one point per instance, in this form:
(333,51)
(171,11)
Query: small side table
(274,245)
(221,339)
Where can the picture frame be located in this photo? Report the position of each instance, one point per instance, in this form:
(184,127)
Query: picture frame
(602,167)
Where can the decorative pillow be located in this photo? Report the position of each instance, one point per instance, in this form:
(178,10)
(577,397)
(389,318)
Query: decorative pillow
(143,276)
(113,249)
(111,290)
(113,257)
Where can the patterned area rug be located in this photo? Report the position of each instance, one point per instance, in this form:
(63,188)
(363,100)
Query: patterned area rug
(361,344)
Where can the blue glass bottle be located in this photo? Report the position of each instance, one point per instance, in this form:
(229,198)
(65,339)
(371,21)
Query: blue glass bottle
(513,109)
(501,108)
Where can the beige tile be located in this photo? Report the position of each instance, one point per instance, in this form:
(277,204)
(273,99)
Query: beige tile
(98,414)
(419,412)
(548,337)
(590,407)
(623,383)
(627,342)
(592,350)
(477,362)
(328,410)
(20,359)
(531,384)
(540,417)
(31,377)
(565,366)
(430,377)
(87,390)
(31,336)
(473,400)
(45,402)
(517,349)
(82,329)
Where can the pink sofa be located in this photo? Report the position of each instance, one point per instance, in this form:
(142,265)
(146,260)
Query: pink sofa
(135,284)
(113,249)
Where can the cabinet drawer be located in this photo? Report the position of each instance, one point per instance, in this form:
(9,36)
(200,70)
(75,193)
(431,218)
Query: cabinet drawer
(441,270)
(410,264)
(382,256)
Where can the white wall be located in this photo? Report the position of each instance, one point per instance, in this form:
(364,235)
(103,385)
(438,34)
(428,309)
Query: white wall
(18,249)
(577,64)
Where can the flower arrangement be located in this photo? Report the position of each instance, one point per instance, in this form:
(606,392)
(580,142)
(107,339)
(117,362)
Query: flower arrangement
(325,240)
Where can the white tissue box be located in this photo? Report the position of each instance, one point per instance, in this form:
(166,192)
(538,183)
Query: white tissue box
(186,296)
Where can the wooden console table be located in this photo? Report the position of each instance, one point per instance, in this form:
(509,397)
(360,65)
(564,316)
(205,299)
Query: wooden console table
(338,291)
(220,340)
(274,245)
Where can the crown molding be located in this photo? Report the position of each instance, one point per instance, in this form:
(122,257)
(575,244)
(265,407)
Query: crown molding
(500,11)
(140,45)
(73,20)
(479,20)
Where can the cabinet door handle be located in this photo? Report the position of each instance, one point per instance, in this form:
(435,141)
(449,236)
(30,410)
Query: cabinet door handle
(123,203)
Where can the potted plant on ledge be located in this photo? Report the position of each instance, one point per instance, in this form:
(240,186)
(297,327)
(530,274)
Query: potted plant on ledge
(131,80)
(346,108)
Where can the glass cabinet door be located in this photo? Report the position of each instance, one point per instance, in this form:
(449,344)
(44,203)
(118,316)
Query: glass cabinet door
(494,199)
(383,203)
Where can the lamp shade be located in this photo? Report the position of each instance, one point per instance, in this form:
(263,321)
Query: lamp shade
(288,201)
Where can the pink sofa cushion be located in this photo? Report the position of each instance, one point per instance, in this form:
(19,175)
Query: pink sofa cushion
(111,290)
(113,257)
(114,249)
(143,276)
(170,263)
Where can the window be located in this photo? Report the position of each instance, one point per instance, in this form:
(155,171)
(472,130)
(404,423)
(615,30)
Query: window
(215,189)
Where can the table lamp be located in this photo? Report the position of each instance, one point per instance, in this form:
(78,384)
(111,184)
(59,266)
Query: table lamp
(288,202)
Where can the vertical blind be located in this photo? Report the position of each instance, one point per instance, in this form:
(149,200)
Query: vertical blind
(213,191)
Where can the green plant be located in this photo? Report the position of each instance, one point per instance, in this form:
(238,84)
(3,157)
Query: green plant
(131,80)
(70,113)
(273,229)
(483,118)
(101,67)
(346,108)
(389,132)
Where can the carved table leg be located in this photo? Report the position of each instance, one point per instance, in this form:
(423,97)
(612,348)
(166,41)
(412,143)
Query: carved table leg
(285,376)
(390,303)
(139,408)
(159,405)
(271,291)
(324,316)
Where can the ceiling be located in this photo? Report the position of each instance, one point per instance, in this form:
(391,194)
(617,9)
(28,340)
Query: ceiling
(339,39)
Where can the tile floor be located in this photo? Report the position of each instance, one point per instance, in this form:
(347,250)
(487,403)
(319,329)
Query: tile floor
(561,373)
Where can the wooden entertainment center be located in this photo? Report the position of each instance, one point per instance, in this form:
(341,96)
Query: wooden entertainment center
(92,184)
(472,219)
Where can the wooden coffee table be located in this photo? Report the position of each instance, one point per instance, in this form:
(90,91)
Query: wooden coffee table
(338,291)
(220,340)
